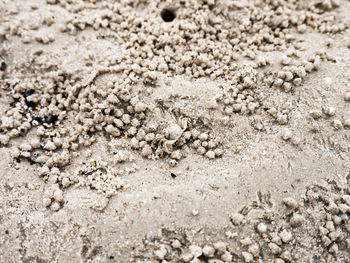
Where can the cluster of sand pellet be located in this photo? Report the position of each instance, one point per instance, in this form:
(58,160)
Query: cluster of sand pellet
(65,110)
(315,229)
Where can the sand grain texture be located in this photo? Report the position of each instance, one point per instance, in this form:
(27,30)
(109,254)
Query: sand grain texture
(219,136)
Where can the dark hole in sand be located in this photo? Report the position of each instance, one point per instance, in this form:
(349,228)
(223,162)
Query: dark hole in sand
(168,15)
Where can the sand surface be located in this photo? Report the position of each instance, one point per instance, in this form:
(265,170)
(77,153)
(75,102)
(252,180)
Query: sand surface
(204,139)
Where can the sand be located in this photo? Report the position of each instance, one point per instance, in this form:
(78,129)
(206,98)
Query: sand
(112,202)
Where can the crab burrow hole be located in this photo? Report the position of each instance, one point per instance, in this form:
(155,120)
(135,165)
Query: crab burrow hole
(168,14)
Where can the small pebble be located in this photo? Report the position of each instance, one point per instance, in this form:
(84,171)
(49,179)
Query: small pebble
(286,256)
(226,257)
(58,195)
(347,96)
(286,236)
(302,28)
(328,81)
(160,253)
(195,260)
(246,241)
(333,208)
(347,123)
(50,146)
(186,257)
(261,228)
(237,219)
(290,202)
(330,111)
(195,212)
(176,244)
(46,202)
(55,206)
(196,251)
(295,140)
(220,247)
(274,248)
(337,124)
(296,220)
(210,154)
(254,250)
(4,139)
(287,134)
(334,248)
(316,114)
(208,251)
(247,257)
